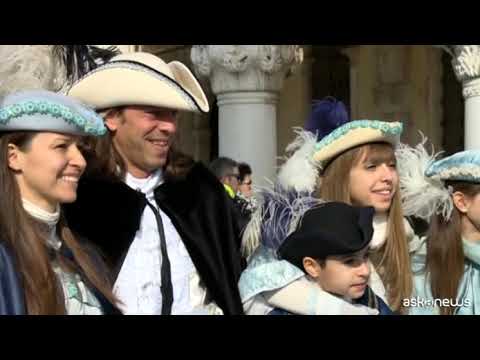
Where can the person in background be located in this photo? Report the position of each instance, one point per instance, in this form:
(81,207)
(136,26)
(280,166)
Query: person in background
(245,193)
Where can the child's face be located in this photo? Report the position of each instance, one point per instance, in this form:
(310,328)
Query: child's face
(344,276)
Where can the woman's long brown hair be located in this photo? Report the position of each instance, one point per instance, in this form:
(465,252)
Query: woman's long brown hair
(445,257)
(392,260)
(26,238)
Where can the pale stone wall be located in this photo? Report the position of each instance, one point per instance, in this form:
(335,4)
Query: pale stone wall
(398,83)
(295,101)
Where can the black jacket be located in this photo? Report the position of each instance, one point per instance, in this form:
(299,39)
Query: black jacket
(109,213)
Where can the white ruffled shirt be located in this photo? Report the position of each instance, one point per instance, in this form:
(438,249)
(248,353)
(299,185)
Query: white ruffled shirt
(138,284)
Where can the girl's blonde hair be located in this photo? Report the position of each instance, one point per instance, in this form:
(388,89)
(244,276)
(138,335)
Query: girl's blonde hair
(392,260)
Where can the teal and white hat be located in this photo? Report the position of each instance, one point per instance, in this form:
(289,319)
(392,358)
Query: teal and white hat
(462,166)
(422,178)
(40,110)
(328,133)
(356,133)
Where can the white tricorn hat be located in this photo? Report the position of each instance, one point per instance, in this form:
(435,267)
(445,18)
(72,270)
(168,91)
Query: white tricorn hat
(140,79)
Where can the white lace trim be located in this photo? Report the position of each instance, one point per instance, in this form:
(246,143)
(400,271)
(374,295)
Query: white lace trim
(51,219)
(462,172)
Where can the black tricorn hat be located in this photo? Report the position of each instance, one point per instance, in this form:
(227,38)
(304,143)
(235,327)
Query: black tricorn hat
(332,229)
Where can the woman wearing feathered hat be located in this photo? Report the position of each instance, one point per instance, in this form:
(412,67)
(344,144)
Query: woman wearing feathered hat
(164,222)
(446,262)
(44,268)
(346,161)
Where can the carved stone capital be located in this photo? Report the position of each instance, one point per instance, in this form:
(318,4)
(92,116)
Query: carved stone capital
(233,68)
(466,62)
(29,67)
(471,88)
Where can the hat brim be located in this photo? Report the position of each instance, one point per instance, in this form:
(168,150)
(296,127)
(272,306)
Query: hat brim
(461,166)
(123,83)
(40,110)
(356,133)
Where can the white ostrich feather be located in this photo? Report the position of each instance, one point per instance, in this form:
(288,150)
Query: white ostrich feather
(300,171)
(421,196)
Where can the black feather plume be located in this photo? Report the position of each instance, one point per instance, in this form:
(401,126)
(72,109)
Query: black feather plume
(81,59)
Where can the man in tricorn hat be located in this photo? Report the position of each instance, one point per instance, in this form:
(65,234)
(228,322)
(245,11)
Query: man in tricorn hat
(163,222)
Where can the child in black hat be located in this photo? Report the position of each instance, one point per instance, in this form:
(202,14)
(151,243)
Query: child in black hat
(331,246)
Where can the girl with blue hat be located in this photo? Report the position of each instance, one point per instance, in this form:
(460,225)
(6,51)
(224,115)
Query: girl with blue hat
(446,262)
(44,268)
(335,160)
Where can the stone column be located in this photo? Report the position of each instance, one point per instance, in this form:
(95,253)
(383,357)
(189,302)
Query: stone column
(466,63)
(247,80)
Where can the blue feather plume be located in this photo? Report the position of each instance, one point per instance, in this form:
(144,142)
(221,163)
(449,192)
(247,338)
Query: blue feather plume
(327,115)
(281,212)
